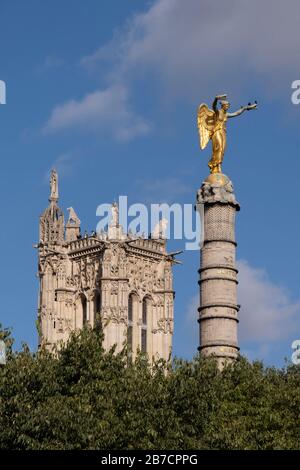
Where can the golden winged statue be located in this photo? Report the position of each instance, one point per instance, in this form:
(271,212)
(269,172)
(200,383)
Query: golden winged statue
(212,126)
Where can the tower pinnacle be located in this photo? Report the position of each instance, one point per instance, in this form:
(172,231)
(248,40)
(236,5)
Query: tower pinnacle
(52,220)
(53,186)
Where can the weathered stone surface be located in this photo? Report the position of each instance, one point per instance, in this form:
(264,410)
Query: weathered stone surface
(104,274)
(217,188)
(218,311)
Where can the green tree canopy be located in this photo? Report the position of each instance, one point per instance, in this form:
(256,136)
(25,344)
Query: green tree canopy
(82,397)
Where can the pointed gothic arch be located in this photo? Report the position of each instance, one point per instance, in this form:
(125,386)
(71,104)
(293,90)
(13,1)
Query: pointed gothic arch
(144,324)
(132,321)
(97,305)
(81,310)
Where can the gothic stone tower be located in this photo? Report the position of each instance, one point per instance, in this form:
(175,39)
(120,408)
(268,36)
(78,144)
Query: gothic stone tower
(125,279)
(218,311)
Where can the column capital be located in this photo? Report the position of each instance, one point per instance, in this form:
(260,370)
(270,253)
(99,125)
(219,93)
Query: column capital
(217,188)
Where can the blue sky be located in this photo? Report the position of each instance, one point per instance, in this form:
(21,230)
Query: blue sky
(107,93)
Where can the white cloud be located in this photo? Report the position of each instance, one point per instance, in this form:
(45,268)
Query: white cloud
(268,316)
(64,165)
(187,50)
(50,63)
(160,190)
(105,111)
(198,46)
(267,312)
(192,312)
(53,62)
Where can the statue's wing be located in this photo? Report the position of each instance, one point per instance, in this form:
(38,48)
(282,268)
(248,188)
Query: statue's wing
(206,124)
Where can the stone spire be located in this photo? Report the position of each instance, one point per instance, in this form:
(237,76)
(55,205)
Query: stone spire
(72,226)
(53,186)
(52,220)
(218,311)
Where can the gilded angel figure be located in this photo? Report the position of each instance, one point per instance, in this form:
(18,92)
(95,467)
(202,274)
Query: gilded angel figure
(212,126)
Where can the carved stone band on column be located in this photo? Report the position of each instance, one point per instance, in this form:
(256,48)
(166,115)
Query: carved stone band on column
(218,266)
(219,304)
(218,343)
(218,279)
(209,316)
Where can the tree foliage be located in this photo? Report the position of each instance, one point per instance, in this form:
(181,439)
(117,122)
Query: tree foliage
(82,397)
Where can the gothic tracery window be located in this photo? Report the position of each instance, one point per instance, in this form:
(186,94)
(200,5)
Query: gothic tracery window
(84,309)
(144,325)
(97,306)
(130,322)
(97,302)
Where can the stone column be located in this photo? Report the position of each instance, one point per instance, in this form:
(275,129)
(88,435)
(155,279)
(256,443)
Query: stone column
(218,311)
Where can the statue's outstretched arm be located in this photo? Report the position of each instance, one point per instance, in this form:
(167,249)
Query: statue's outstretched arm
(242,109)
